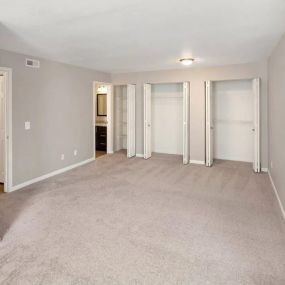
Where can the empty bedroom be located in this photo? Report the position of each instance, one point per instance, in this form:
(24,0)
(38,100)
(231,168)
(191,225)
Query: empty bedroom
(142,142)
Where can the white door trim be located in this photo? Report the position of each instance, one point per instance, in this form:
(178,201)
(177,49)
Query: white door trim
(7,72)
(109,116)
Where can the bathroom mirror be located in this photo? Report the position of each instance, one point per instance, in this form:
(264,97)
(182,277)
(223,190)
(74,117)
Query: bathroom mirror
(101,104)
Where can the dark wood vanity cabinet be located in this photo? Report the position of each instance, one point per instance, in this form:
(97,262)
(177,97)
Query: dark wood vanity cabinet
(101,138)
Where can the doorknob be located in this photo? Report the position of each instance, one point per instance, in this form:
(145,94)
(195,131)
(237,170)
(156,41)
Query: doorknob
(253,130)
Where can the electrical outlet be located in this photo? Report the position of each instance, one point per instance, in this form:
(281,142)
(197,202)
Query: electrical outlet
(62,157)
(75,152)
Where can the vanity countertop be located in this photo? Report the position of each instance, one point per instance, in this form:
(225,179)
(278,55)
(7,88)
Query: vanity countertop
(101,124)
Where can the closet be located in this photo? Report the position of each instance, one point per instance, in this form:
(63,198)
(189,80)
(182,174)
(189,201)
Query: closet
(124,119)
(232,121)
(166,119)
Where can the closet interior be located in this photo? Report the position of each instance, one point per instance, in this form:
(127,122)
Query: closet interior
(233,120)
(166,113)
(124,119)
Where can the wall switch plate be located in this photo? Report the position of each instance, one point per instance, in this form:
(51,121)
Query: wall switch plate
(75,152)
(27,125)
(62,157)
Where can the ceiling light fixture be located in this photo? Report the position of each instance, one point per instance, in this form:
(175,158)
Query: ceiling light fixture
(186,61)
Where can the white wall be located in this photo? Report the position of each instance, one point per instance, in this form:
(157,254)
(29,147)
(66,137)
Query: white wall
(197,76)
(277,118)
(233,120)
(167,118)
(57,100)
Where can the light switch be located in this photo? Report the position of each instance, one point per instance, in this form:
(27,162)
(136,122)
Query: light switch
(27,125)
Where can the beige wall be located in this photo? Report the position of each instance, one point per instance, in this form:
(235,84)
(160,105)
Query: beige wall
(276,104)
(57,100)
(197,76)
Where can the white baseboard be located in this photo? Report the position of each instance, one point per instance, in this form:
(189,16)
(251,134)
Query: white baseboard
(277,195)
(201,162)
(139,155)
(264,169)
(56,172)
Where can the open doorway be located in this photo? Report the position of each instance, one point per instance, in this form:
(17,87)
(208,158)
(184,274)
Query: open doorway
(5,129)
(232,121)
(102,117)
(166,119)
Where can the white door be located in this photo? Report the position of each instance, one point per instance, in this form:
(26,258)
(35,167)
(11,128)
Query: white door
(209,124)
(131,120)
(110,119)
(186,106)
(2,129)
(256,126)
(147,121)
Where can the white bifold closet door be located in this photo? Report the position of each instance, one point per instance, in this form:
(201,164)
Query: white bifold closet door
(131,120)
(2,130)
(186,108)
(110,119)
(209,124)
(256,127)
(147,121)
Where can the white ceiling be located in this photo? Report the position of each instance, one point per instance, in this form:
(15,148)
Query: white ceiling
(136,35)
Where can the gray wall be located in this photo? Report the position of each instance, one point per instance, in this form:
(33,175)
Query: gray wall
(276,104)
(57,99)
(197,76)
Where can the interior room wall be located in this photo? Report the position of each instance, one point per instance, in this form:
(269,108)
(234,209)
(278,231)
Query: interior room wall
(276,103)
(167,118)
(197,76)
(57,100)
(233,120)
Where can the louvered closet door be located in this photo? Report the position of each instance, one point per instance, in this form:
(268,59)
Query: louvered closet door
(147,121)
(186,109)
(131,120)
(209,124)
(2,130)
(256,127)
(110,148)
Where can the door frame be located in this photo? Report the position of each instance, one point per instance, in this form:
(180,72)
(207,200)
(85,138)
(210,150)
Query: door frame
(110,147)
(7,72)
(187,85)
(256,89)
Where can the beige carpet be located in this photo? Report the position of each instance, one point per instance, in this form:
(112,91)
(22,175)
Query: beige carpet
(120,221)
